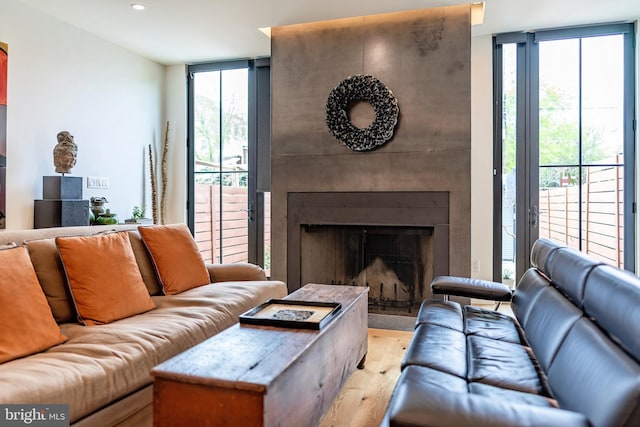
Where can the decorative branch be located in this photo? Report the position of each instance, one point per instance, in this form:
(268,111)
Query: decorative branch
(154,190)
(163,174)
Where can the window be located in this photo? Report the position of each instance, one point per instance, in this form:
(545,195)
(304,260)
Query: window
(564,143)
(226,128)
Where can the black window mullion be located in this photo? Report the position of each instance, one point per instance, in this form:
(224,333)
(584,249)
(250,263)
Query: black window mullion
(629,217)
(580,147)
(190,153)
(498,108)
(220,171)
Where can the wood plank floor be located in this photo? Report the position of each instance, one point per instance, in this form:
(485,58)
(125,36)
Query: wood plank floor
(364,397)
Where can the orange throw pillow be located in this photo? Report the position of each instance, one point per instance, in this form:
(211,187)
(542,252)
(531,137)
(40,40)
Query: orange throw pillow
(26,321)
(176,257)
(103,277)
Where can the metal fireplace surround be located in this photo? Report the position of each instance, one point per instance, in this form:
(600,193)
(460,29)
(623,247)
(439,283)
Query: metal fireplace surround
(397,208)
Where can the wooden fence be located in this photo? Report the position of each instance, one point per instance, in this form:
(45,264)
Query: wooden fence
(602,214)
(232,232)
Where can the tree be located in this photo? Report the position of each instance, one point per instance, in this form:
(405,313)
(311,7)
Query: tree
(213,135)
(213,130)
(559,129)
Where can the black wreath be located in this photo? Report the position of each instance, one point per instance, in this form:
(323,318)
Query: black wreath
(364,88)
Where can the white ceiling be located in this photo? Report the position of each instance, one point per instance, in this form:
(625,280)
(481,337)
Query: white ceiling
(189,31)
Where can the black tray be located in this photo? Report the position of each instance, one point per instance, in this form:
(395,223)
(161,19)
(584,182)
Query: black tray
(292,314)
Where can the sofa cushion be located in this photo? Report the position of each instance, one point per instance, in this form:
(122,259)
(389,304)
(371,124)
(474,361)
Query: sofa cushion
(551,308)
(504,364)
(569,271)
(48,265)
(176,258)
(24,311)
(526,294)
(50,271)
(103,277)
(443,313)
(439,348)
(145,265)
(542,254)
(427,397)
(490,324)
(608,288)
(595,378)
(512,396)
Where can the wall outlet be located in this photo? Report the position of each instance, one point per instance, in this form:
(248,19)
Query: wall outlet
(475,266)
(101,182)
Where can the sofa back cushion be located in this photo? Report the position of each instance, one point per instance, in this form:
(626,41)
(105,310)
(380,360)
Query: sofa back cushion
(103,277)
(529,288)
(542,254)
(550,308)
(24,311)
(145,265)
(50,271)
(591,376)
(176,258)
(48,266)
(569,271)
(612,300)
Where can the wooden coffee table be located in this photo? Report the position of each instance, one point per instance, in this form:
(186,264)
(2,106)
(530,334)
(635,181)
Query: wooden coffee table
(250,375)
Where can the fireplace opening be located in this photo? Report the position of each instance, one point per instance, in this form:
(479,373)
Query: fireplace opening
(395,262)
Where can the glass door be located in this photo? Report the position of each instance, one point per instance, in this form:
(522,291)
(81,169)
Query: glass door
(507,264)
(226,116)
(564,144)
(581,144)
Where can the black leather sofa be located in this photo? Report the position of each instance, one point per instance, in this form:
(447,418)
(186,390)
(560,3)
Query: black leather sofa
(571,356)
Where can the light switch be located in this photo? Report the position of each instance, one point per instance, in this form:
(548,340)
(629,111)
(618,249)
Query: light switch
(101,182)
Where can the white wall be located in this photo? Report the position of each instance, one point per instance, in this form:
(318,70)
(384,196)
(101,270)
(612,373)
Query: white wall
(176,114)
(481,157)
(62,78)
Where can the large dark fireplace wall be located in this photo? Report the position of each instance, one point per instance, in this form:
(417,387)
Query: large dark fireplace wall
(423,57)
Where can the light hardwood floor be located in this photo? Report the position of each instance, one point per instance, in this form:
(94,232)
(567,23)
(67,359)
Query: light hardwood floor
(364,397)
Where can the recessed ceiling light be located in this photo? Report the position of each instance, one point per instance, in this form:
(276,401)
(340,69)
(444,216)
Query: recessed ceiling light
(137,6)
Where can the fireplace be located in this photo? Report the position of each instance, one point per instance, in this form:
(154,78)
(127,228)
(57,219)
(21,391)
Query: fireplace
(394,262)
(392,242)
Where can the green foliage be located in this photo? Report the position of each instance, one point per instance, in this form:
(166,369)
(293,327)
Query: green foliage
(559,129)
(138,212)
(211,134)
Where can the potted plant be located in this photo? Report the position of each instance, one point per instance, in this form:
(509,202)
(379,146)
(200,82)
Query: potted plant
(137,216)
(507,277)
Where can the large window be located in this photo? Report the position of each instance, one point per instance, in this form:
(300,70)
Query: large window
(227,210)
(564,143)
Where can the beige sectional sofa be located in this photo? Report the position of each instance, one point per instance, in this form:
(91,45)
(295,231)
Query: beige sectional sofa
(102,372)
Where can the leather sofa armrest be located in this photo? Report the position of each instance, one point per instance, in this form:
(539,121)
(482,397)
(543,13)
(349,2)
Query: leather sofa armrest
(471,288)
(236,272)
